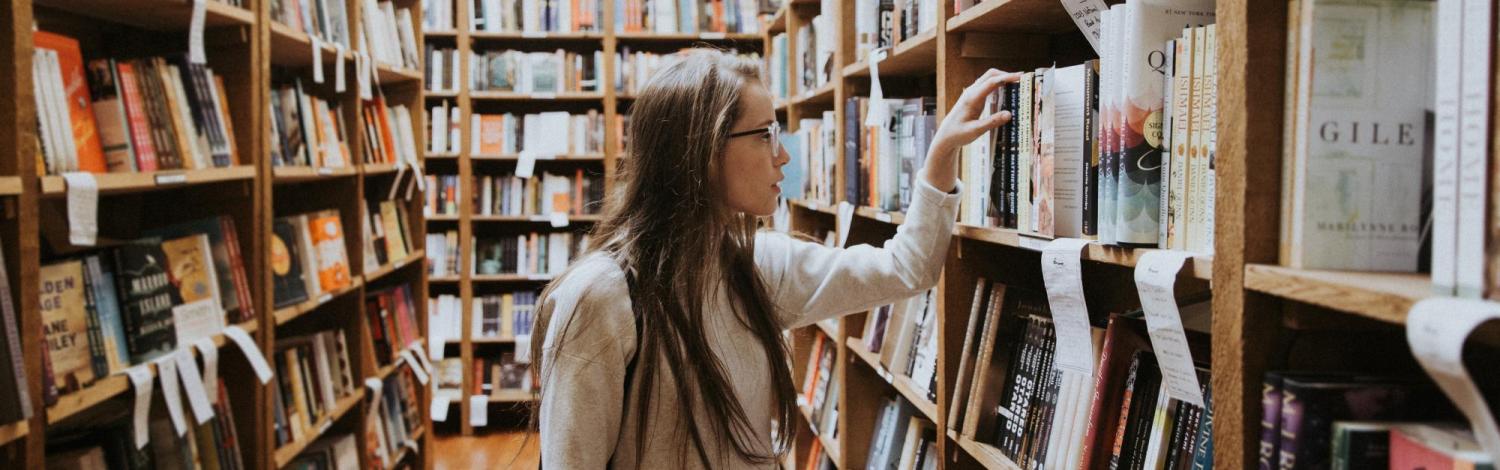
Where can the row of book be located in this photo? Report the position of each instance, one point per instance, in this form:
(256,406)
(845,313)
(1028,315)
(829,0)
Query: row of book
(633,68)
(884,24)
(904,335)
(545,134)
(779,66)
(313,372)
(815,46)
(535,253)
(881,161)
(396,420)
(308,256)
(442,194)
(821,387)
(1012,396)
(391,315)
(442,253)
(129,115)
(138,300)
(687,16)
(390,133)
(535,72)
(389,35)
(441,69)
(327,20)
(535,16)
(493,375)
(389,234)
(505,316)
(813,151)
(308,130)
(438,15)
(902,439)
(110,443)
(581,193)
(339,451)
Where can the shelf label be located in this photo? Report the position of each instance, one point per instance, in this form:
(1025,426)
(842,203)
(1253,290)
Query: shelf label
(324,170)
(438,409)
(327,296)
(1062,273)
(195,33)
(170,178)
(362,75)
(338,69)
(83,207)
(252,352)
(1437,329)
(166,373)
(317,58)
(842,221)
(534,34)
(479,411)
(1085,14)
(879,115)
(1155,278)
(1032,243)
(712,35)
(140,380)
(558,219)
(192,383)
(540,95)
(883,216)
(210,354)
(416,367)
(525,164)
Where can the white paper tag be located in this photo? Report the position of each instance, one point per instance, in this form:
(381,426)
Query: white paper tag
(558,219)
(713,35)
(415,365)
(317,59)
(376,387)
(196,320)
(1155,277)
(192,382)
(416,352)
(523,349)
(338,69)
(252,352)
(1062,272)
(83,208)
(439,409)
(140,380)
(1436,329)
(195,33)
(543,95)
(525,164)
(362,75)
(166,373)
(210,353)
(1085,14)
(479,411)
(883,216)
(1032,243)
(879,114)
(843,220)
(170,178)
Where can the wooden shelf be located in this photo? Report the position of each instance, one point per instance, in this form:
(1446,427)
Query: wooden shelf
(412,257)
(286,453)
(586,157)
(441,156)
(450,33)
(395,74)
(512,396)
(894,218)
(157,15)
(431,95)
(985,454)
(511,278)
(492,340)
(1385,297)
(292,312)
(1013,16)
(686,37)
(822,96)
(443,218)
(13,431)
(107,388)
(814,206)
(777,23)
(302,174)
(377,169)
(916,56)
(591,36)
(292,48)
(903,384)
(10,185)
(534,219)
(122,183)
(444,279)
(1201,265)
(514,96)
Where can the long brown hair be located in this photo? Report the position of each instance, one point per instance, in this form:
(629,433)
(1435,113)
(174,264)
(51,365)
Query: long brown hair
(669,228)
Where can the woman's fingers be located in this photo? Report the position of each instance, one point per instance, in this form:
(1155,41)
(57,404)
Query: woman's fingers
(972,100)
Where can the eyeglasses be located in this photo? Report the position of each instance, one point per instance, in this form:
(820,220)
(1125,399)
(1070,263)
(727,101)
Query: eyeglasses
(775,133)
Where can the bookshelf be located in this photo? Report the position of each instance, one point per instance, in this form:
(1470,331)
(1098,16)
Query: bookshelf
(253,54)
(469,164)
(1265,316)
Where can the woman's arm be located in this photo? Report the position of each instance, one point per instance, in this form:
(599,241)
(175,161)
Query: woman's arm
(590,339)
(810,282)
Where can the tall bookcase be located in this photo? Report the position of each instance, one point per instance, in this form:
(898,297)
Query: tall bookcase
(1265,316)
(469,163)
(252,53)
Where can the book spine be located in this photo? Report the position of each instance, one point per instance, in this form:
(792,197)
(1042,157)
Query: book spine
(96,334)
(1476,126)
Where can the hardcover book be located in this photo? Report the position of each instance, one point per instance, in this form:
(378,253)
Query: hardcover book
(148,296)
(65,325)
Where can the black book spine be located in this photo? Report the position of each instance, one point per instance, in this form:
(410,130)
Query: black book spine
(1012,159)
(96,332)
(1091,148)
(1142,414)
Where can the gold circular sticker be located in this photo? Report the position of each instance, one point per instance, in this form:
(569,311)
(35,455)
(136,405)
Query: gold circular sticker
(281,261)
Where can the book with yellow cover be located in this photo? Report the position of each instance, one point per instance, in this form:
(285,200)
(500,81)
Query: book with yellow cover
(65,325)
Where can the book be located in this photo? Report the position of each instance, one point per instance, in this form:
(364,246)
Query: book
(327,233)
(1361,444)
(287,269)
(1436,446)
(148,297)
(65,325)
(77,105)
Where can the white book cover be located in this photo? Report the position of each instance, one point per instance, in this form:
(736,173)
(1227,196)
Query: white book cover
(1203,233)
(1068,152)
(1358,180)
(1474,145)
(1112,28)
(1446,83)
(438,135)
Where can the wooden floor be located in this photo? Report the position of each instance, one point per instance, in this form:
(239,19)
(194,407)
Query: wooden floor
(497,448)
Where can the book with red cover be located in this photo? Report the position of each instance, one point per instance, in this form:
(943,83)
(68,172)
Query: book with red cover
(1436,447)
(80,104)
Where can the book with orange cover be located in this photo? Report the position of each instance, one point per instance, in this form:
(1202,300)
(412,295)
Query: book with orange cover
(327,233)
(80,105)
(491,134)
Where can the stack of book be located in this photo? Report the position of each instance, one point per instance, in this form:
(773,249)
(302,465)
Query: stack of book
(633,68)
(902,439)
(390,133)
(504,316)
(139,300)
(548,134)
(111,442)
(527,254)
(581,193)
(314,372)
(687,16)
(904,334)
(127,116)
(391,317)
(437,15)
(536,16)
(815,46)
(307,130)
(443,134)
(441,71)
(309,255)
(389,34)
(329,452)
(810,175)
(442,193)
(326,20)
(493,375)
(820,387)
(1313,418)
(535,72)
(881,162)
(398,419)
(886,23)
(388,232)
(442,253)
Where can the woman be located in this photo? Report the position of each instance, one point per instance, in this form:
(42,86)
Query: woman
(662,347)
